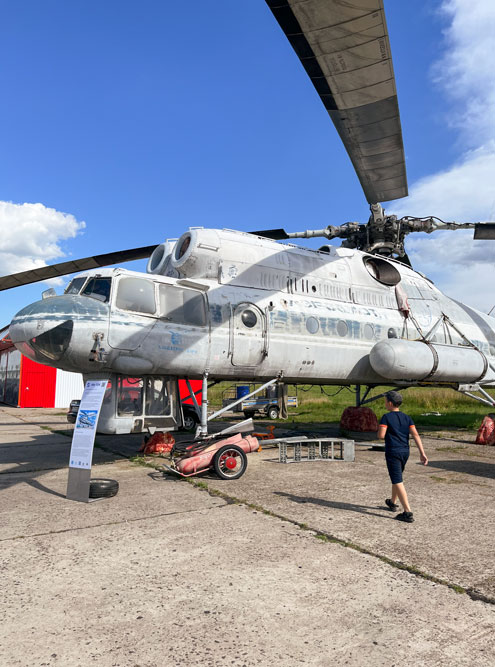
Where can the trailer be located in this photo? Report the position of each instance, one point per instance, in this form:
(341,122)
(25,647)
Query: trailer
(265,403)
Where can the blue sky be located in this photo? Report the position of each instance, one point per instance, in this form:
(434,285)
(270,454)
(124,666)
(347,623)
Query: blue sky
(127,122)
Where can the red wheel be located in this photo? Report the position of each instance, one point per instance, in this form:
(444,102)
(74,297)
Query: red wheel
(230,462)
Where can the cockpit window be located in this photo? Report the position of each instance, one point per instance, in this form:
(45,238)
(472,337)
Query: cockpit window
(136,294)
(98,288)
(74,287)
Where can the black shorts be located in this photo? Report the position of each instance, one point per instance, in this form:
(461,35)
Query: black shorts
(396,462)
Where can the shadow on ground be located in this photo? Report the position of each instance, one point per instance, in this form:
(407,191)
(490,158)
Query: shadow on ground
(334,504)
(476,468)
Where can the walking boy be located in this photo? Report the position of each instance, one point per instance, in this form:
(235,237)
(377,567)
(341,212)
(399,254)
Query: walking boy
(395,427)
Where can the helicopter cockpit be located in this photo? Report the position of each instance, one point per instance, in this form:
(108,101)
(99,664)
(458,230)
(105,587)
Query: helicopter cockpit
(97,287)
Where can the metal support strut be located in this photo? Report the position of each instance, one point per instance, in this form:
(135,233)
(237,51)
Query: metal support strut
(362,401)
(203,428)
(466,389)
(243,398)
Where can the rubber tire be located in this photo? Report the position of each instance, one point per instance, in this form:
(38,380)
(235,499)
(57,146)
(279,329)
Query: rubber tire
(272,412)
(189,422)
(249,414)
(103,488)
(218,456)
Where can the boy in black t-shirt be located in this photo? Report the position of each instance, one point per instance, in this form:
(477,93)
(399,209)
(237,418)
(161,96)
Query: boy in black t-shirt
(395,427)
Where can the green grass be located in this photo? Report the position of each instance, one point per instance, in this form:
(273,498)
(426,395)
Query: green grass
(326,404)
(445,480)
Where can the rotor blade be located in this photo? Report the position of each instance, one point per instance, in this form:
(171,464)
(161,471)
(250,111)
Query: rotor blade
(344,48)
(275,234)
(74,266)
(484,231)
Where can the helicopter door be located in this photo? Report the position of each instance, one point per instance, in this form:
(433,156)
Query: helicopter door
(133,313)
(248,335)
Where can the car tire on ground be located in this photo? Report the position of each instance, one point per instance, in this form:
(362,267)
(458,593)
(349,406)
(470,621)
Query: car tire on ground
(189,422)
(103,488)
(272,412)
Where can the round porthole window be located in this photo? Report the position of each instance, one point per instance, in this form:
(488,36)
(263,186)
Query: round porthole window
(312,325)
(249,318)
(342,328)
(369,331)
(392,333)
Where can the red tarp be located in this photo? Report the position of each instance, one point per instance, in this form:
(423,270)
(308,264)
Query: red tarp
(486,432)
(359,419)
(159,443)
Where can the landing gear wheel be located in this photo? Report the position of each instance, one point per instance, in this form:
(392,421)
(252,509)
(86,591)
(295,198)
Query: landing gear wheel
(103,488)
(230,462)
(272,412)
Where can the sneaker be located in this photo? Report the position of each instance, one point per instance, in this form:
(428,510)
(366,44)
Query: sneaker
(405,516)
(391,506)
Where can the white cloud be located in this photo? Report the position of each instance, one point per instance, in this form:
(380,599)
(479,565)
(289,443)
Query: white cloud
(460,267)
(466,70)
(31,235)
(465,192)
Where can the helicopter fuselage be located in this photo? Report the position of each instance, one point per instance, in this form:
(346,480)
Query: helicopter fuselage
(247,307)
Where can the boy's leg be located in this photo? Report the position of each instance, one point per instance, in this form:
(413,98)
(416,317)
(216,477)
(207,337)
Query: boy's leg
(399,491)
(395,495)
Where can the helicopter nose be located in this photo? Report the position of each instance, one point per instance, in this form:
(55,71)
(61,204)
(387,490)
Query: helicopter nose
(42,333)
(44,329)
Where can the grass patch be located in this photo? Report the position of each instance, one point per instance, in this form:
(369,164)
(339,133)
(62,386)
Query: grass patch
(322,538)
(445,480)
(326,404)
(140,461)
(456,450)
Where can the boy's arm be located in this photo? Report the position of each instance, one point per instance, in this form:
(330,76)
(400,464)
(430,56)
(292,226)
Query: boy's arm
(419,445)
(382,427)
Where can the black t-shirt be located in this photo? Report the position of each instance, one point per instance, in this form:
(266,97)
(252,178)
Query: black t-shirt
(397,433)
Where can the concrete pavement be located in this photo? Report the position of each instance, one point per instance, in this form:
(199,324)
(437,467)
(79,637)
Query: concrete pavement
(166,573)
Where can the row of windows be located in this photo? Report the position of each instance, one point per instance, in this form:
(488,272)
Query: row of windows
(175,304)
(137,295)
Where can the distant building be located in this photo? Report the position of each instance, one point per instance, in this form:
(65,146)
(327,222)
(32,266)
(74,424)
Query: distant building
(27,384)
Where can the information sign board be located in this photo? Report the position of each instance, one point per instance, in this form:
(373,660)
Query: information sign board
(81,453)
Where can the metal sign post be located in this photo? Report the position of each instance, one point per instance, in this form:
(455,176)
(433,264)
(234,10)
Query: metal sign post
(81,452)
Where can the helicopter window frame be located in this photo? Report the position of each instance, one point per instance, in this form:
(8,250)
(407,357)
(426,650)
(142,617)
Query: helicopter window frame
(188,305)
(81,281)
(130,396)
(132,305)
(90,284)
(158,401)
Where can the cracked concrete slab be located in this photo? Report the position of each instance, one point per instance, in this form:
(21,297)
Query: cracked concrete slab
(453,534)
(166,573)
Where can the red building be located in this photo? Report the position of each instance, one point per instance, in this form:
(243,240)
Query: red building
(27,384)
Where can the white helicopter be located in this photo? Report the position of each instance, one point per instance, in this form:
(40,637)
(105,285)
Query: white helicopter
(227,305)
